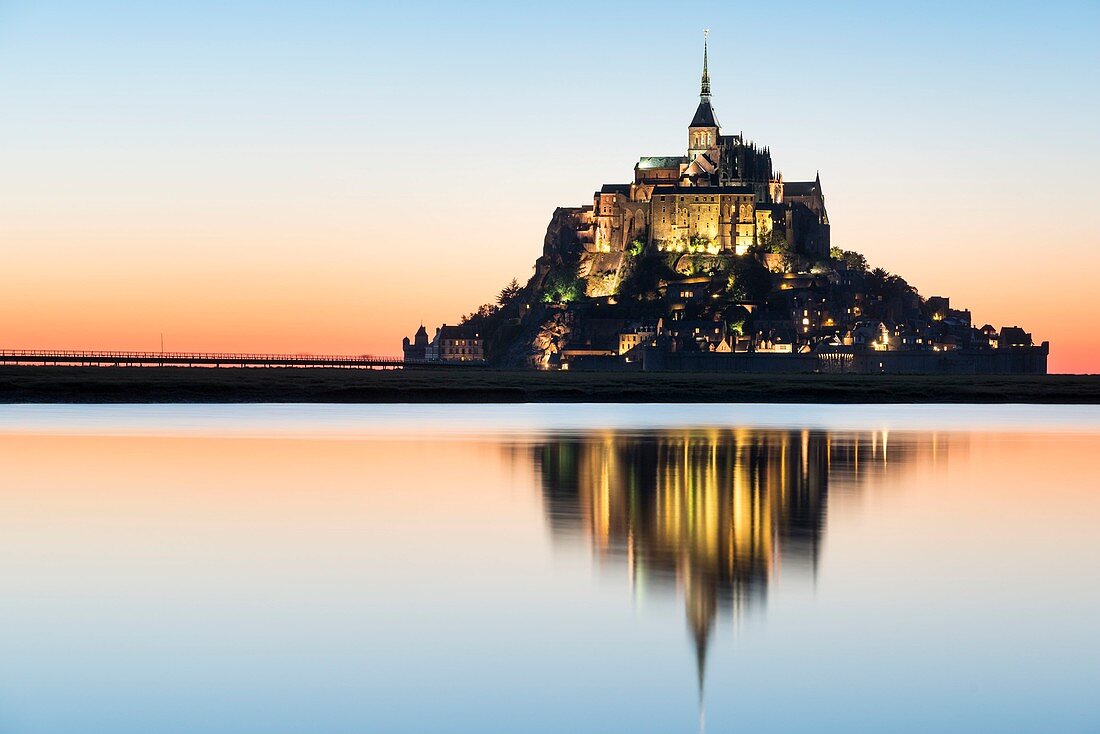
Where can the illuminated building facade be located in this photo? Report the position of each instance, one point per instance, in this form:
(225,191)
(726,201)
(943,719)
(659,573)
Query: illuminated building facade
(722,196)
(450,344)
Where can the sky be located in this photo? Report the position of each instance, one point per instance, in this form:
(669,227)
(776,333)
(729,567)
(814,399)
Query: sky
(323,177)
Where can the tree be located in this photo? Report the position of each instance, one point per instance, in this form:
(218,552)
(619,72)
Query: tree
(699,244)
(701,264)
(647,275)
(484,313)
(509,293)
(774,241)
(563,287)
(748,280)
(852,260)
(892,294)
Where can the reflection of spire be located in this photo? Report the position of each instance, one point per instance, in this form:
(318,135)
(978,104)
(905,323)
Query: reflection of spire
(701,600)
(711,512)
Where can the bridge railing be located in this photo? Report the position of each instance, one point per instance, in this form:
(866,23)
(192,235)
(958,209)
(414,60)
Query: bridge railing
(91,356)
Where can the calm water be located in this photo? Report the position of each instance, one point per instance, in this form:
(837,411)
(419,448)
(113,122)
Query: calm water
(549,569)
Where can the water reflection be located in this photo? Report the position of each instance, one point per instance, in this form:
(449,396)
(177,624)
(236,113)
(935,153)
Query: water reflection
(712,514)
(325,580)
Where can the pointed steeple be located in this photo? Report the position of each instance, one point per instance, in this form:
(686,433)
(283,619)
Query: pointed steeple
(704,88)
(704,113)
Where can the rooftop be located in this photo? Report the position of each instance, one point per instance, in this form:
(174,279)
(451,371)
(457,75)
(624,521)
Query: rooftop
(661,161)
(457,332)
(702,190)
(704,115)
(798,188)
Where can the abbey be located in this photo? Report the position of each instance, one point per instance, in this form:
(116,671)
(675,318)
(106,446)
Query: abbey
(724,195)
(711,261)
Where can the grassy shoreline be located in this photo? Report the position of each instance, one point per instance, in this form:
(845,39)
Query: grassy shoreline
(291,385)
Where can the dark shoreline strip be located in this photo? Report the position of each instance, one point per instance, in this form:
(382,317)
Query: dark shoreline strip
(293,385)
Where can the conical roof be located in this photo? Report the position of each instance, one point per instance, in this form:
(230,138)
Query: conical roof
(704,115)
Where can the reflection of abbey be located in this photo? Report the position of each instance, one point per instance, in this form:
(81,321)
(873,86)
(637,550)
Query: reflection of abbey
(711,261)
(722,195)
(711,516)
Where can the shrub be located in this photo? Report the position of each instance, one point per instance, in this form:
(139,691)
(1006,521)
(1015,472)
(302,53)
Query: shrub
(563,288)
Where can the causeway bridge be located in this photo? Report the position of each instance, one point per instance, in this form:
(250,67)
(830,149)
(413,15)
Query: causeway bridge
(213,359)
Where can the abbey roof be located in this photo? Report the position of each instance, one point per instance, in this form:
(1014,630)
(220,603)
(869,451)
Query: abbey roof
(799,188)
(704,115)
(703,190)
(661,161)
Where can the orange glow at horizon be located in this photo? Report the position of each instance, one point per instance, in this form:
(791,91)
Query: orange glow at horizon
(351,310)
(269,278)
(294,190)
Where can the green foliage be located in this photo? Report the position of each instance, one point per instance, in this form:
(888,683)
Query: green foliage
(773,242)
(748,280)
(644,279)
(852,260)
(702,264)
(736,327)
(699,244)
(563,287)
(603,283)
(636,247)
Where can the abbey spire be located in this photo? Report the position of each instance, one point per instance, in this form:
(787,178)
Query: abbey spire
(704,90)
(703,131)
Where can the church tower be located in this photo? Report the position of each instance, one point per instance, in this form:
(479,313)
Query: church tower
(703,130)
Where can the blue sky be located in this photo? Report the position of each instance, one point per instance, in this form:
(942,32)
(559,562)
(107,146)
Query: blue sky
(298,134)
